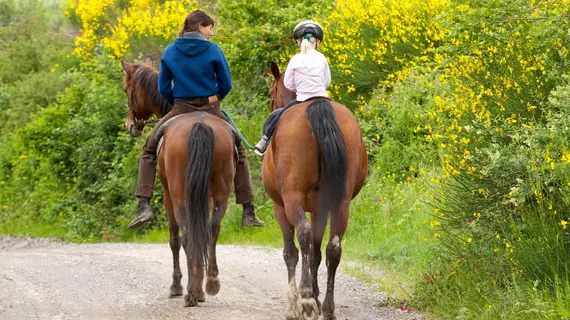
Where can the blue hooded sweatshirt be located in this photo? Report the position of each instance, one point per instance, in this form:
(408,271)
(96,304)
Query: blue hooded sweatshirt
(197,67)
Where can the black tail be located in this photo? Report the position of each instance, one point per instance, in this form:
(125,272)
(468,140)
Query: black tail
(197,183)
(332,154)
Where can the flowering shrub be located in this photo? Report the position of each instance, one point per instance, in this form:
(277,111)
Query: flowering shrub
(500,126)
(141,20)
(368,41)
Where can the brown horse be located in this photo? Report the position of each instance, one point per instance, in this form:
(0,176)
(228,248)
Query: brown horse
(196,165)
(316,163)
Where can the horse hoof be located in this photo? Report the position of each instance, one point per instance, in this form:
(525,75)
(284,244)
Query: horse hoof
(319,307)
(213,286)
(190,300)
(329,317)
(308,309)
(201,297)
(175,291)
(291,316)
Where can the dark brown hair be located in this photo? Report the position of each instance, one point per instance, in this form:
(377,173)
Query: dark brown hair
(194,20)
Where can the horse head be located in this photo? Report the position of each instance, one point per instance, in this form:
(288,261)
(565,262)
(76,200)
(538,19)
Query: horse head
(140,107)
(279,94)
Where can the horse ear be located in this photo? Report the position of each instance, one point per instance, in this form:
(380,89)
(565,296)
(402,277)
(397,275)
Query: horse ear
(274,70)
(127,66)
(149,60)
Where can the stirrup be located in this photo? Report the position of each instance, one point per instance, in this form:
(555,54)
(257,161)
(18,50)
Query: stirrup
(259,153)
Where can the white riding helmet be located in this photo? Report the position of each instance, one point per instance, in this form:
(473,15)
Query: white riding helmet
(308,27)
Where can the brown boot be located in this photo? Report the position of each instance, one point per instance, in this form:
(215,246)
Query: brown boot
(144,214)
(249,218)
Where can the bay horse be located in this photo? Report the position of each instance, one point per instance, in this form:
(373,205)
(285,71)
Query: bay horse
(196,166)
(316,162)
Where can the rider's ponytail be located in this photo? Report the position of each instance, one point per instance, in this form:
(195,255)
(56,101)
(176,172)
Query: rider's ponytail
(308,43)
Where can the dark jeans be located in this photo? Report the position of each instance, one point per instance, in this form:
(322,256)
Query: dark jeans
(269,130)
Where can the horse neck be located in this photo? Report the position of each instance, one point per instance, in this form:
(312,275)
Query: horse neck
(154,102)
(153,109)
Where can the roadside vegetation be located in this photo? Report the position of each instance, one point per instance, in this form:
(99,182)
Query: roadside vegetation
(464,106)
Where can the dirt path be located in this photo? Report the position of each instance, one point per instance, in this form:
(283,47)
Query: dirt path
(42,279)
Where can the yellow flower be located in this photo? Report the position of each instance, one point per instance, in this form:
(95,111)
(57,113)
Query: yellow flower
(469,240)
(563,223)
(434,223)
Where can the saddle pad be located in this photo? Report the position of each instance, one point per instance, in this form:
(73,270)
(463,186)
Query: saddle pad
(159,146)
(160,133)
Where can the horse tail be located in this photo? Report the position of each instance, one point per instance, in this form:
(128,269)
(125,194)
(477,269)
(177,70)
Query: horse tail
(332,159)
(197,183)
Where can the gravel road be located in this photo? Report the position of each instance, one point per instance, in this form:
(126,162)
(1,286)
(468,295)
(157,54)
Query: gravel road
(46,279)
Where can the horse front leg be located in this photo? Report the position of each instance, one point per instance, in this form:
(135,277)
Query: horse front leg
(212,282)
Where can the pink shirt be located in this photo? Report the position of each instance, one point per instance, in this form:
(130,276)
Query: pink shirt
(308,74)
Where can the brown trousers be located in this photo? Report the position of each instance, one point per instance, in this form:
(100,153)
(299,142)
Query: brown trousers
(147,167)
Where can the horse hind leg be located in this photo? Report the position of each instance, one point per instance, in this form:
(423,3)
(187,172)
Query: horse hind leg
(291,257)
(212,282)
(307,306)
(334,252)
(176,288)
(190,299)
(319,226)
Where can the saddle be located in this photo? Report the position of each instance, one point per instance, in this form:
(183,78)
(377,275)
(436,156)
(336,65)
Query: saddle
(275,112)
(159,136)
(160,133)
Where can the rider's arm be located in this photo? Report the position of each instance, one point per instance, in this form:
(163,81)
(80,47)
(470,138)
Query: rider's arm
(223,75)
(289,77)
(327,74)
(165,83)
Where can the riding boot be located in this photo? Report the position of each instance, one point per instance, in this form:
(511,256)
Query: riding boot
(144,214)
(249,218)
(261,146)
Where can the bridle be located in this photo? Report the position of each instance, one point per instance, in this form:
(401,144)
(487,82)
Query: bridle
(138,123)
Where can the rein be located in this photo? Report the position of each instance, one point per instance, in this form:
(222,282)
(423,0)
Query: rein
(138,123)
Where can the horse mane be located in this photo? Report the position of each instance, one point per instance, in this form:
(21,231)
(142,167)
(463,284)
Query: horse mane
(147,79)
